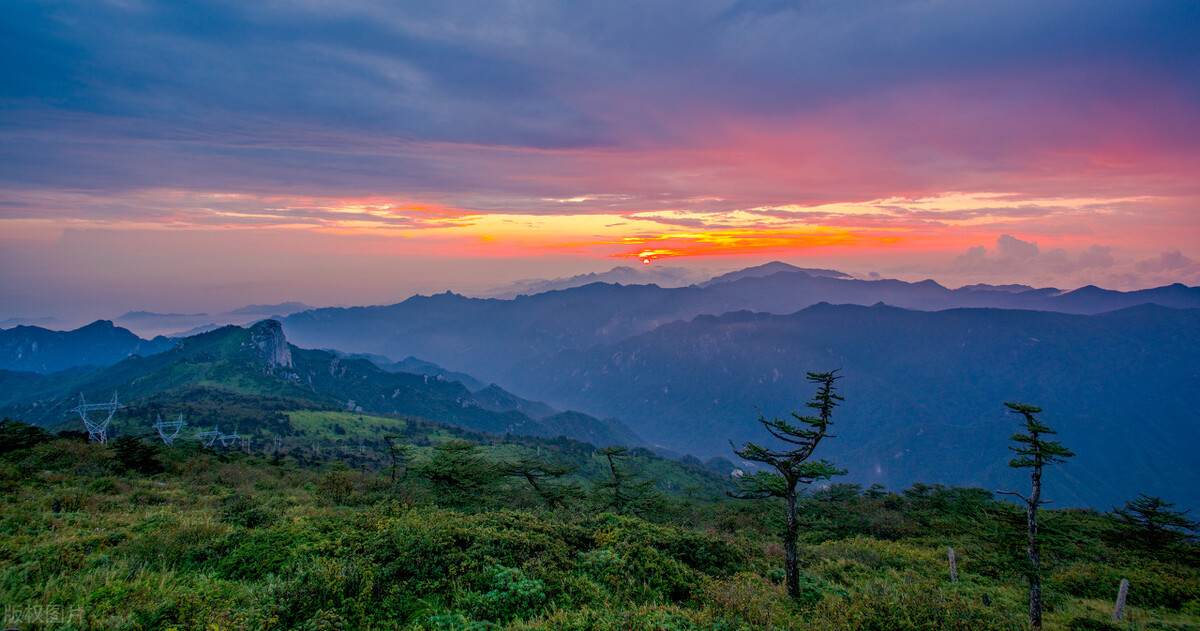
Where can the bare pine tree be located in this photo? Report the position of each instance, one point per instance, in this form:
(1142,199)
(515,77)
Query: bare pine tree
(792,466)
(537,472)
(1034,452)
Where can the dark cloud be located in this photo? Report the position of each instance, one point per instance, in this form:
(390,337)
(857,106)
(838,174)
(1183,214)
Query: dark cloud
(237,93)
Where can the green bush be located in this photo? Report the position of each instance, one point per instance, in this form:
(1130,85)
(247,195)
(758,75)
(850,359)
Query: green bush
(316,588)
(17,436)
(641,573)
(257,554)
(240,509)
(512,595)
(1091,624)
(134,454)
(904,605)
(704,553)
(1151,584)
(750,600)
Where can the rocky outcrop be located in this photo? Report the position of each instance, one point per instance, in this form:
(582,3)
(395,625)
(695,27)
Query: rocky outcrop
(267,336)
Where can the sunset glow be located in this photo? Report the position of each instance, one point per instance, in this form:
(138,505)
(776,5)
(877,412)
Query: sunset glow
(910,140)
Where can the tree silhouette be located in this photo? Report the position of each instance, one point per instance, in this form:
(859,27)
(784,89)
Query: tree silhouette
(538,472)
(621,491)
(459,473)
(399,453)
(792,465)
(1035,452)
(1151,522)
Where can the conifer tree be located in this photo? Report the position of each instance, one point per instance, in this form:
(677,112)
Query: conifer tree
(399,453)
(460,473)
(1034,452)
(1151,522)
(622,491)
(538,472)
(792,466)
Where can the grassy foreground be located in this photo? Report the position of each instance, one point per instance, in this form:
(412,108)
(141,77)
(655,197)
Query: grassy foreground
(137,536)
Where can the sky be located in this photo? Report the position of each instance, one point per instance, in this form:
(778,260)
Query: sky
(192,155)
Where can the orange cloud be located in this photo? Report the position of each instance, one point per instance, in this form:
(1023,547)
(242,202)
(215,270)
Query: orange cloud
(741,242)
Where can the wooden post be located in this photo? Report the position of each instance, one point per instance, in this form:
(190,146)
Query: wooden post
(953,567)
(1119,609)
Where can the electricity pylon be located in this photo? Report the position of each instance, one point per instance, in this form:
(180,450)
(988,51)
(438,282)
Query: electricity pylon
(97,431)
(228,439)
(210,437)
(162,427)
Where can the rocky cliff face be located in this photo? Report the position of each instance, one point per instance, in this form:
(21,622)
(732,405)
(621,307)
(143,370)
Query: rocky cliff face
(272,346)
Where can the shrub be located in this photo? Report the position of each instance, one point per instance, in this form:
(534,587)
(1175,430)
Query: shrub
(134,454)
(1150,584)
(698,551)
(749,599)
(316,588)
(1090,624)
(240,509)
(337,486)
(165,542)
(257,554)
(512,595)
(641,573)
(18,436)
(902,605)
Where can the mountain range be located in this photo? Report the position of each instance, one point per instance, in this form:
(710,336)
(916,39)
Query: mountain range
(185,324)
(101,343)
(491,339)
(688,369)
(259,362)
(924,391)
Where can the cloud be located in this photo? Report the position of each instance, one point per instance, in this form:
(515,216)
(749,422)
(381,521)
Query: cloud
(1017,260)
(378,95)
(697,127)
(1009,247)
(1170,261)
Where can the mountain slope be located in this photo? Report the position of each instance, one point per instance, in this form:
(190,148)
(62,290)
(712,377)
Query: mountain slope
(924,391)
(259,362)
(34,349)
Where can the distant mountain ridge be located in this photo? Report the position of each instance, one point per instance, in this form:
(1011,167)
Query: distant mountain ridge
(774,267)
(622,274)
(490,338)
(185,324)
(101,343)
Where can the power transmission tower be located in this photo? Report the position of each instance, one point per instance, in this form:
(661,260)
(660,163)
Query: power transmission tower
(97,431)
(228,439)
(210,437)
(163,426)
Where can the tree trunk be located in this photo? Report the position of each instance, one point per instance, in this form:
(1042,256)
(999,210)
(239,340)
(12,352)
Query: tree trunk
(791,568)
(1035,570)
